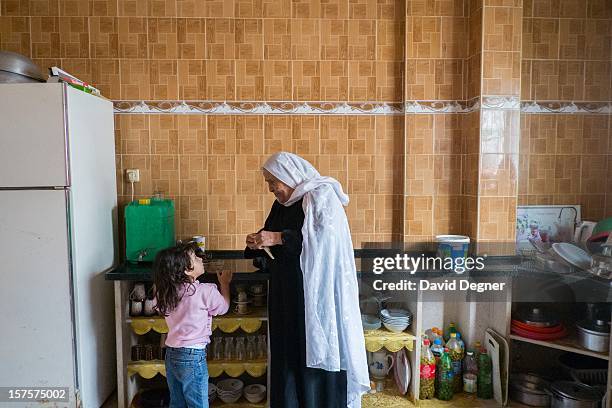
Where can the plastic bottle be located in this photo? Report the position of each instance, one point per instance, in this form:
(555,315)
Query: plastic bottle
(437,349)
(456,355)
(427,372)
(460,340)
(444,390)
(451,329)
(431,334)
(470,372)
(485,372)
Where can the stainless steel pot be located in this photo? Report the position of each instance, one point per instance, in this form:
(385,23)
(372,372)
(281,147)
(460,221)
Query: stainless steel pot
(594,335)
(568,394)
(530,390)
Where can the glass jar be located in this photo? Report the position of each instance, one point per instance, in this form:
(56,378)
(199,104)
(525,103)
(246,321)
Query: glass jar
(217,348)
(228,349)
(240,351)
(251,348)
(262,347)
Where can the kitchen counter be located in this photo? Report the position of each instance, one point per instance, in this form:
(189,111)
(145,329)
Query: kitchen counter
(243,271)
(529,283)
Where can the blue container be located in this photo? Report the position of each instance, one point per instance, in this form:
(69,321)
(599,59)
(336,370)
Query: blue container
(453,246)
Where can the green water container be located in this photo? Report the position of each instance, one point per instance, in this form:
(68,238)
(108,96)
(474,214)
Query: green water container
(149,228)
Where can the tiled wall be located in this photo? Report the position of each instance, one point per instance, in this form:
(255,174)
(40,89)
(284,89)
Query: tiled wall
(436,70)
(410,176)
(567,57)
(236,50)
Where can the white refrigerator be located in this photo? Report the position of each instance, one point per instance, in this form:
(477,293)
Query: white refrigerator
(58,234)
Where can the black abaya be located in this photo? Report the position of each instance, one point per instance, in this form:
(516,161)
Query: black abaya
(293,385)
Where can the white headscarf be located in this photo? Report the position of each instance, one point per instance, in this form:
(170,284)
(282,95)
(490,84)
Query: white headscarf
(334,334)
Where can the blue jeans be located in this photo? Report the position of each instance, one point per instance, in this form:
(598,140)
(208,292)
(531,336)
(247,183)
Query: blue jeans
(187,376)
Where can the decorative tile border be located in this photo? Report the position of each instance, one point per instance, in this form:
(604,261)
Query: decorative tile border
(429,107)
(258,108)
(501,102)
(360,108)
(539,107)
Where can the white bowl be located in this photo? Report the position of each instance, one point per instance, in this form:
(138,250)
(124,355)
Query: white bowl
(229,399)
(395,328)
(395,314)
(230,385)
(370,322)
(255,393)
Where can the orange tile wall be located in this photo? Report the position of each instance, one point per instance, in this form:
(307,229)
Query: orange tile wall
(567,56)
(253,50)
(409,176)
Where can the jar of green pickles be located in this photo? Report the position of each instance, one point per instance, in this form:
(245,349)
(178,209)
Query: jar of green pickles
(485,375)
(427,372)
(446,386)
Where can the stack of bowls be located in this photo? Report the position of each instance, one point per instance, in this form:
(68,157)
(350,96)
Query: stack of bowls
(212,392)
(230,390)
(255,393)
(396,320)
(370,322)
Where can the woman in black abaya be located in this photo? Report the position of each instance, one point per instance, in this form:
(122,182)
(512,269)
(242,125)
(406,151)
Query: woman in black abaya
(319,368)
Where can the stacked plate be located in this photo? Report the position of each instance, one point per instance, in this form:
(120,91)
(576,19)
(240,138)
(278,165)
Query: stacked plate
(212,392)
(396,320)
(230,390)
(370,322)
(255,393)
(538,324)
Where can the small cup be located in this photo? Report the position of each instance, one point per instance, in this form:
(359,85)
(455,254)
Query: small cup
(138,292)
(149,307)
(257,289)
(241,308)
(242,296)
(136,308)
(259,301)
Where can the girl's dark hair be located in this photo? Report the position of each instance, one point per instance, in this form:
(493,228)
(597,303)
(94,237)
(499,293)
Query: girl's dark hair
(169,276)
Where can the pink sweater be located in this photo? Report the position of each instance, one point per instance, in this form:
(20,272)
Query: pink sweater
(190,323)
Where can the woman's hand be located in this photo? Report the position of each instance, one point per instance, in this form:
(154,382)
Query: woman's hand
(250,241)
(264,239)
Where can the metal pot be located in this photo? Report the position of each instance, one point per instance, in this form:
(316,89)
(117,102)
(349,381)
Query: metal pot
(594,335)
(530,390)
(568,394)
(537,317)
(17,68)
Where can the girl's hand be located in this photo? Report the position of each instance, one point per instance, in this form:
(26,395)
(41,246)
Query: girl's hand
(267,239)
(225,277)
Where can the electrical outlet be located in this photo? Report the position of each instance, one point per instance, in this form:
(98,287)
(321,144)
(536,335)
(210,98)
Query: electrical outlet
(133,175)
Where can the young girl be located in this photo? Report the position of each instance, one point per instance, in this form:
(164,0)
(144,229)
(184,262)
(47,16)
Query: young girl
(188,307)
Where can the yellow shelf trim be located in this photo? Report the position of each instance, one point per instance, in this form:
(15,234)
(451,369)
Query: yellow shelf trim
(146,369)
(377,339)
(237,368)
(149,369)
(229,324)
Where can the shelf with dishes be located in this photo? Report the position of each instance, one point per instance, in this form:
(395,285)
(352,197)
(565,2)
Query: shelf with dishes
(388,330)
(228,323)
(544,327)
(377,339)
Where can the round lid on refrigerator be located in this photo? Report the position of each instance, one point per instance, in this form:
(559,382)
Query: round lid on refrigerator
(19,68)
